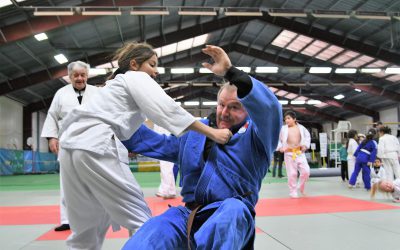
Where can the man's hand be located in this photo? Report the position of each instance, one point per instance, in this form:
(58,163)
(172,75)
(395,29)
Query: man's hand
(221,60)
(53,145)
(303,149)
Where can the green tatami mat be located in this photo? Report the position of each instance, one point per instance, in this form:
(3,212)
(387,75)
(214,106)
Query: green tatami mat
(52,181)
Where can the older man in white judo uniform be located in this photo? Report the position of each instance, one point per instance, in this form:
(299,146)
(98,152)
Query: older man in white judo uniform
(66,98)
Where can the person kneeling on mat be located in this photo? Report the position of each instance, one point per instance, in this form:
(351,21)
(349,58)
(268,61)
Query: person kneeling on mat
(220,182)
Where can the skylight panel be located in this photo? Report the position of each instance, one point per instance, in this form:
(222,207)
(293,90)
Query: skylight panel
(314,48)
(321,105)
(393,78)
(200,40)
(273,89)
(377,64)
(281,93)
(301,98)
(358,62)
(329,52)
(185,44)
(168,49)
(284,38)
(4,3)
(158,51)
(345,57)
(291,96)
(299,43)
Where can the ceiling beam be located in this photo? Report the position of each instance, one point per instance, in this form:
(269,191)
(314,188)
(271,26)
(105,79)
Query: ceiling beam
(335,39)
(314,113)
(377,91)
(35,25)
(334,77)
(329,100)
(42,76)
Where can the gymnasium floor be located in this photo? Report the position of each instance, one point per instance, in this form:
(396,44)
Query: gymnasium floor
(330,217)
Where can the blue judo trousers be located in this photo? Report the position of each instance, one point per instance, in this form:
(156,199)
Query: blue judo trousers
(366,152)
(219,183)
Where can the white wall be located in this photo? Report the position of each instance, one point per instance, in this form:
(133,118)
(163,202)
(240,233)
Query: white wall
(11,126)
(391,115)
(362,123)
(43,144)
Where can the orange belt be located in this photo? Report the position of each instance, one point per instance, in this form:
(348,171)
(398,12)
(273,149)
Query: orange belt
(295,152)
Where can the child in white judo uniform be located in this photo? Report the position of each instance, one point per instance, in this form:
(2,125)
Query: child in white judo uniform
(378,172)
(99,188)
(388,187)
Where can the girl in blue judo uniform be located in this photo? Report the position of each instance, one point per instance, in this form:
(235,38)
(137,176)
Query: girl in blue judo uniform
(220,182)
(365,157)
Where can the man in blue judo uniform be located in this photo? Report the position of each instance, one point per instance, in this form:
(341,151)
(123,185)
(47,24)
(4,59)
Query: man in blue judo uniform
(220,182)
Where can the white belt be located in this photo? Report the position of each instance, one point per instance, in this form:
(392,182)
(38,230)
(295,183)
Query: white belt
(365,151)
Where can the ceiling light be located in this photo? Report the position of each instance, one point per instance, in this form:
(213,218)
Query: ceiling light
(149,11)
(266,69)
(41,36)
(101,13)
(358,90)
(182,70)
(242,12)
(287,12)
(392,71)
(376,15)
(345,70)
(339,97)
(320,70)
(53,12)
(330,14)
(94,71)
(313,102)
(161,70)
(244,69)
(205,71)
(297,102)
(179,97)
(197,12)
(61,58)
(179,103)
(370,70)
(283,102)
(210,103)
(192,103)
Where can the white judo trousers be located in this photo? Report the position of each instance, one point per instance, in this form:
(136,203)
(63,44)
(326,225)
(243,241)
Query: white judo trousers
(167,186)
(389,152)
(107,192)
(351,159)
(292,166)
(98,185)
(63,102)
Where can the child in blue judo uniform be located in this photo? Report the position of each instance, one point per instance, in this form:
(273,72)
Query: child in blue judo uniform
(365,157)
(220,182)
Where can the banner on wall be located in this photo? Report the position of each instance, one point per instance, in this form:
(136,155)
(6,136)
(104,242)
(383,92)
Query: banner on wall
(26,162)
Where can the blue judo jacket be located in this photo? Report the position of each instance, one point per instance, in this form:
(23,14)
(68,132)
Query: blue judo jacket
(232,169)
(366,152)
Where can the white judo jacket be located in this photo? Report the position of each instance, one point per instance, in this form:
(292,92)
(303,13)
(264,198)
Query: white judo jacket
(117,111)
(63,102)
(388,147)
(305,136)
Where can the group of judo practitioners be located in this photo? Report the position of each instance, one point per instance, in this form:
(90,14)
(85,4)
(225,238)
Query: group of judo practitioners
(222,159)
(377,161)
